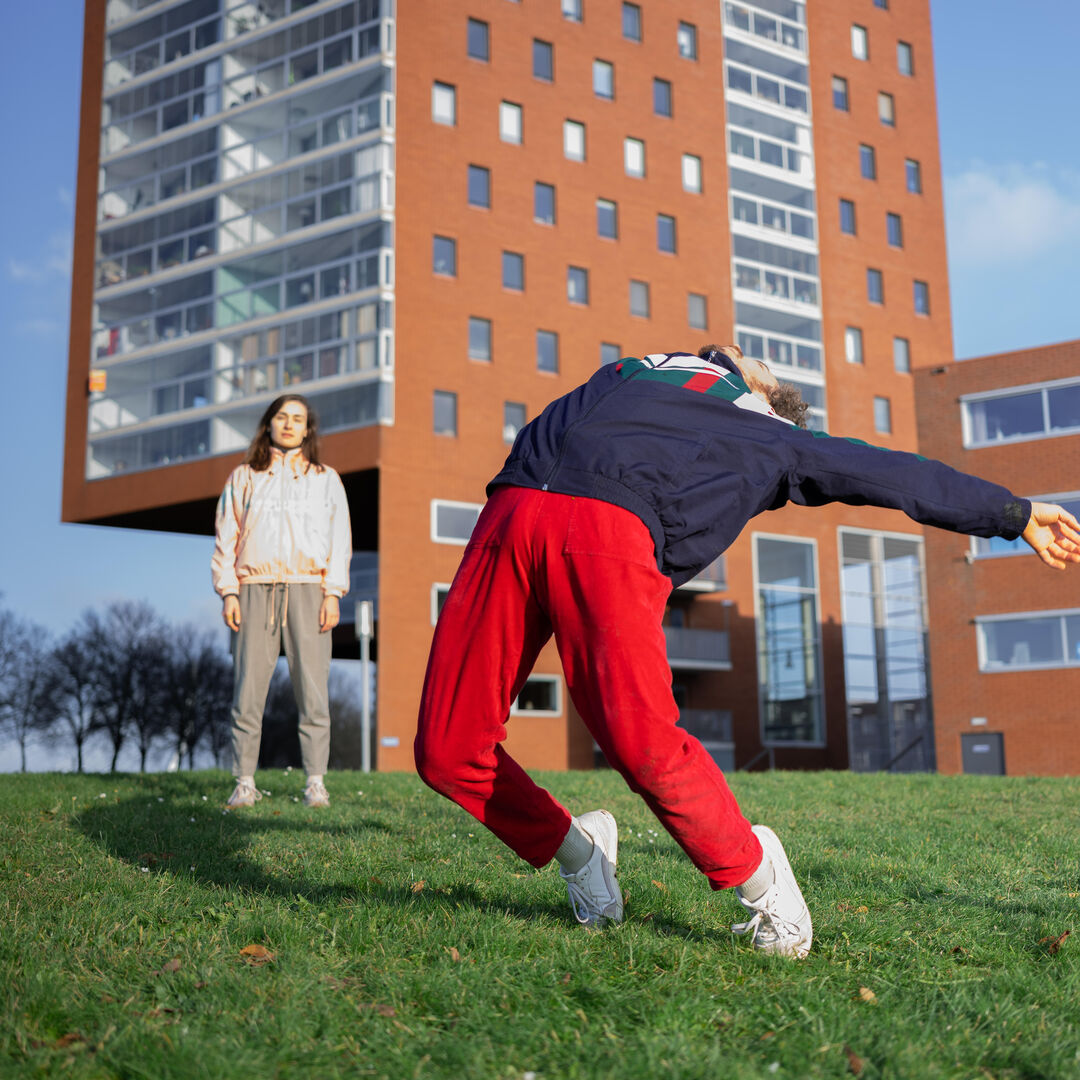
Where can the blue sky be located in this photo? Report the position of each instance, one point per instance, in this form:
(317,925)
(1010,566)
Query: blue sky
(1012,179)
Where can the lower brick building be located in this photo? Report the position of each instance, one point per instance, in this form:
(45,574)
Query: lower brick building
(1005,629)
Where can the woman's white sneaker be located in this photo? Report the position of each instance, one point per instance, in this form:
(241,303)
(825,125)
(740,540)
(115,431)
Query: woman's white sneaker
(244,794)
(594,892)
(315,794)
(780,919)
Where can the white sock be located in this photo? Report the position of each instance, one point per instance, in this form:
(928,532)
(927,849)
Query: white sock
(753,888)
(248,781)
(575,850)
(314,780)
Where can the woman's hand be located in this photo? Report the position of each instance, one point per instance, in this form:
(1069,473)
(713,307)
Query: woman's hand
(230,612)
(330,613)
(1053,534)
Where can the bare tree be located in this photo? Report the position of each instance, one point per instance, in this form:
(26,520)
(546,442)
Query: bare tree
(346,735)
(198,693)
(73,691)
(24,681)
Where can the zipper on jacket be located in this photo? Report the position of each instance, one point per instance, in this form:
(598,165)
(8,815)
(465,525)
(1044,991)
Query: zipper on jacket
(580,420)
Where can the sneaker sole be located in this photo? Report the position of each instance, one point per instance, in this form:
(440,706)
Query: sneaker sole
(778,856)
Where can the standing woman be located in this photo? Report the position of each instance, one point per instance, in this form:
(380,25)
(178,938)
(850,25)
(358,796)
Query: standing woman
(281,566)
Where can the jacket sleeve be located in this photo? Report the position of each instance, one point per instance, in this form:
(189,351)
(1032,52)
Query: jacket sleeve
(336,578)
(831,469)
(227,524)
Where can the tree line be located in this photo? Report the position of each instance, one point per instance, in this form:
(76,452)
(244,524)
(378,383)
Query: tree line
(124,677)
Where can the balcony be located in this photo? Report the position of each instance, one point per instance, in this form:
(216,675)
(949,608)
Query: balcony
(712,727)
(697,650)
(712,579)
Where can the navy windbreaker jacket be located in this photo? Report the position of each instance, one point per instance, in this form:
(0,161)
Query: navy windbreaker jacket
(684,445)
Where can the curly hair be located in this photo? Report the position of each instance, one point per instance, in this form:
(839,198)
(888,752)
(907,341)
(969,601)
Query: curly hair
(787,401)
(259,456)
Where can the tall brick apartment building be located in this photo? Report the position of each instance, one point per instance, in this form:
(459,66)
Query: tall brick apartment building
(434,216)
(1005,630)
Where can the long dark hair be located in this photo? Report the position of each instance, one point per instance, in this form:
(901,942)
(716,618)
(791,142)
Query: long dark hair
(259,456)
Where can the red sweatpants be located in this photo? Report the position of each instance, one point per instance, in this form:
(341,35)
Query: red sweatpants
(539,563)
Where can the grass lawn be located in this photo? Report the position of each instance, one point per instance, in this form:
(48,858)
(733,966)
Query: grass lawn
(396,938)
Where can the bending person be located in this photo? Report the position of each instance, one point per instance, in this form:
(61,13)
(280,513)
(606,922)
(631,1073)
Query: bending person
(281,565)
(620,490)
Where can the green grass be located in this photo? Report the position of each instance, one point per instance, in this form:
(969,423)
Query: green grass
(408,943)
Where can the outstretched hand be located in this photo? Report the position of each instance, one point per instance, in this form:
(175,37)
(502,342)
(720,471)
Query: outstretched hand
(1053,534)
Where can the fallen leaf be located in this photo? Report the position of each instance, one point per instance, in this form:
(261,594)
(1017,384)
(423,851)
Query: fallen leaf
(648,917)
(454,954)
(867,995)
(200,985)
(855,1063)
(1054,943)
(69,1038)
(767,1035)
(418,886)
(256,954)
(660,885)
(171,965)
(862,909)
(958,949)
(382,1010)
(565,979)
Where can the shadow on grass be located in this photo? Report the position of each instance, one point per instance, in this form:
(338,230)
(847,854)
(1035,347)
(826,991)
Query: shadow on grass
(194,840)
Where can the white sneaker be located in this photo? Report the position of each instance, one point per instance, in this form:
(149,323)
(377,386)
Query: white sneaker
(315,794)
(244,794)
(781,919)
(595,895)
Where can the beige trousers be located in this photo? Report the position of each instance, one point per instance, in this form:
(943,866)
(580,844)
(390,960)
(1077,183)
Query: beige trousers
(272,616)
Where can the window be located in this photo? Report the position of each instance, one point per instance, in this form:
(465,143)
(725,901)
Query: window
(875,286)
(1035,640)
(577,285)
(513,270)
(477,40)
(445,416)
(509,122)
(571,10)
(631,22)
(883,4)
(547,351)
(453,522)
(479,186)
(901,354)
(905,58)
(444,104)
(444,256)
(886,109)
(882,415)
(544,203)
(607,219)
(543,60)
(661,97)
(691,173)
(840,93)
(867,162)
(479,338)
(789,646)
(665,233)
(860,43)
(439,593)
(921,297)
(847,217)
(1036,412)
(686,39)
(513,420)
(697,312)
(609,354)
(574,140)
(634,157)
(853,350)
(603,79)
(913,176)
(894,230)
(639,299)
(540,696)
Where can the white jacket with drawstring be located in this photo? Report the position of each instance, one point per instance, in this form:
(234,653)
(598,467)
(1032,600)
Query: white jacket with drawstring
(288,524)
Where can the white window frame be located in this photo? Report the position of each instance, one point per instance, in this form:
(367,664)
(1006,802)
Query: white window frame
(573,10)
(440,93)
(691,173)
(600,69)
(511,123)
(853,345)
(906,370)
(1013,616)
(436,588)
(822,742)
(860,42)
(453,504)
(634,157)
(886,108)
(703,303)
(573,135)
(885,405)
(556,680)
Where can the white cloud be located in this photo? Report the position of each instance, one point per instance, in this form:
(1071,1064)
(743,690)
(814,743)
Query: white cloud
(65,197)
(54,260)
(1014,214)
